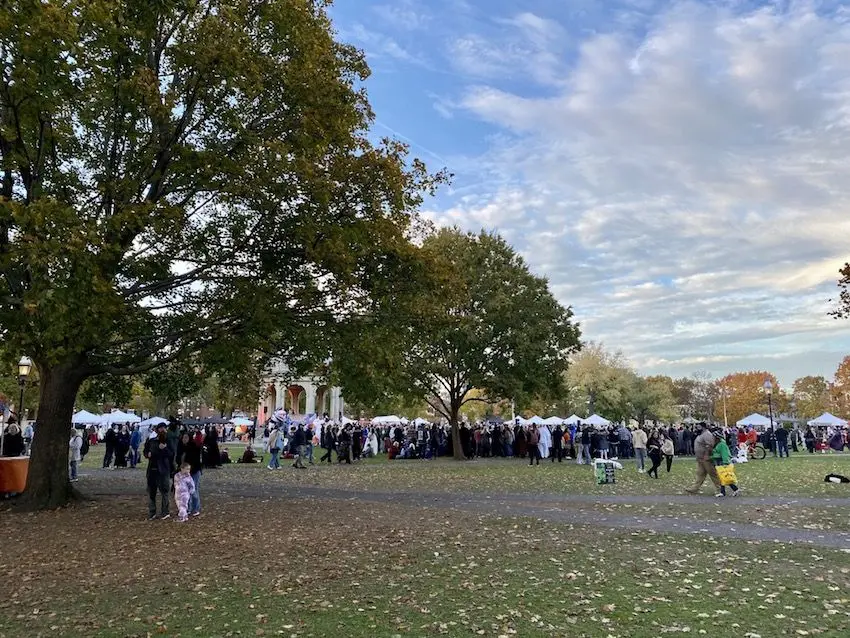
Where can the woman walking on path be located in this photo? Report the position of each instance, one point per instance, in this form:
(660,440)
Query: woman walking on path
(653,447)
(723,457)
(668,450)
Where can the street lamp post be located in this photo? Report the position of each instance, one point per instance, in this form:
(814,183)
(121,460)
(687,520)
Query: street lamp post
(768,388)
(24,368)
(725,417)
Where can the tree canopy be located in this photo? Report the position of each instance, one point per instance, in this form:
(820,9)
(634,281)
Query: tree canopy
(487,329)
(178,177)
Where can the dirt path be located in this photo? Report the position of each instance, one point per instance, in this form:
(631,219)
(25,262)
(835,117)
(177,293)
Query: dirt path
(547,507)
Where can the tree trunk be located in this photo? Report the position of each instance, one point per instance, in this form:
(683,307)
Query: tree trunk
(47,483)
(457,448)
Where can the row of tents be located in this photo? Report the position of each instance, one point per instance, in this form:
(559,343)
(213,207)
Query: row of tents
(117,417)
(594,420)
(825,420)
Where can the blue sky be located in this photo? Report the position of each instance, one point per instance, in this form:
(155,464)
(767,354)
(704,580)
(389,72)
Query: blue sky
(676,169)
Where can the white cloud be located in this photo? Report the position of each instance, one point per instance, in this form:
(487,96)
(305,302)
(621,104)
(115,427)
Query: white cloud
(524,46)
(684,189)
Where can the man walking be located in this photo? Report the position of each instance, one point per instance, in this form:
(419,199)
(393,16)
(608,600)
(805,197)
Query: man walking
(781,435)
(703,447)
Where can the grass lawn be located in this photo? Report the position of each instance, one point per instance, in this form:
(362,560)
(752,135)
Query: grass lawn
(800,475)
(272,568)
(269,566)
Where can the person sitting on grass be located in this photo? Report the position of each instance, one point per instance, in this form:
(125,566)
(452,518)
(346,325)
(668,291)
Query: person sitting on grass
(722,456)
(249,456)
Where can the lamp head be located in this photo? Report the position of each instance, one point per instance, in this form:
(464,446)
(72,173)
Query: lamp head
(24,367)
(768,386)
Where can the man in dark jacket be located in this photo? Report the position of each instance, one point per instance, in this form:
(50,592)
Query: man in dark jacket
(160,462)
(110,439)
(557,444)
(781,436)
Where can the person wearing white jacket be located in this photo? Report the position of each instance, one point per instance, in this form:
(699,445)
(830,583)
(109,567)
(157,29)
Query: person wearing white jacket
(74,447)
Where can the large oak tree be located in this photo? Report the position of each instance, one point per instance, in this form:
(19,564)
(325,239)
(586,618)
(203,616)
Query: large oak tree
(181,177)
(483,329)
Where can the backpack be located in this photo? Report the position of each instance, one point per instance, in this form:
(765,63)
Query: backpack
(84,449)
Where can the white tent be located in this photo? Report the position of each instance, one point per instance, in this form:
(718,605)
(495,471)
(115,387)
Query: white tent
(241,421)
(827,419)
(382,420)
(520,421)
(755,420)
(536,420)
(154,421)
(572,420)
(120,417)
(347,421)
(84,417)
(596,420)
(553,420)
(420,421)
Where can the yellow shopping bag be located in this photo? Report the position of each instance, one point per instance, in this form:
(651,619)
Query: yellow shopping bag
(726,474)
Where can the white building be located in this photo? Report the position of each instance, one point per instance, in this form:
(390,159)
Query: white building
(307,395)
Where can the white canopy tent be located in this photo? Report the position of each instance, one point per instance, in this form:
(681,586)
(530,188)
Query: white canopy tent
(347,421)
(572,420)
(756,420)
(84,417)
(120,417)
(536,420)
(826,419)
(553,420)
(241,421)
(520,421)
(420,421)
(153,422)
(392,418)
(597,421)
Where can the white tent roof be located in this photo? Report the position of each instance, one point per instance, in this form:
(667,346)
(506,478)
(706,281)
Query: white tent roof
(421,421)
(346,420)
(553,420)
(754,419)
(154,421)
(520,421)
(84,417)
(120,417)
(595,419)
(241,421)
(392,418)
(572,420)
(536,420)
(828,419)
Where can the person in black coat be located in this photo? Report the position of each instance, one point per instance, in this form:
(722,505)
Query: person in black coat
(110,439)
(212,457)
(160,462)
(558,444)
(13,441)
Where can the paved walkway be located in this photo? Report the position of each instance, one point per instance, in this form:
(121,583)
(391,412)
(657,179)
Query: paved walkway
(548,507)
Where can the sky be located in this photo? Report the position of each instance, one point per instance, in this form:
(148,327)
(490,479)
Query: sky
(677,170)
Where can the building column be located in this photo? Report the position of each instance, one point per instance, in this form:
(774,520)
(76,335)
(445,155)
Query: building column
(310,389)
(278,395)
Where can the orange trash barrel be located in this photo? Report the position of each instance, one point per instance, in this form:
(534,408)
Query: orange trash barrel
(13,474)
